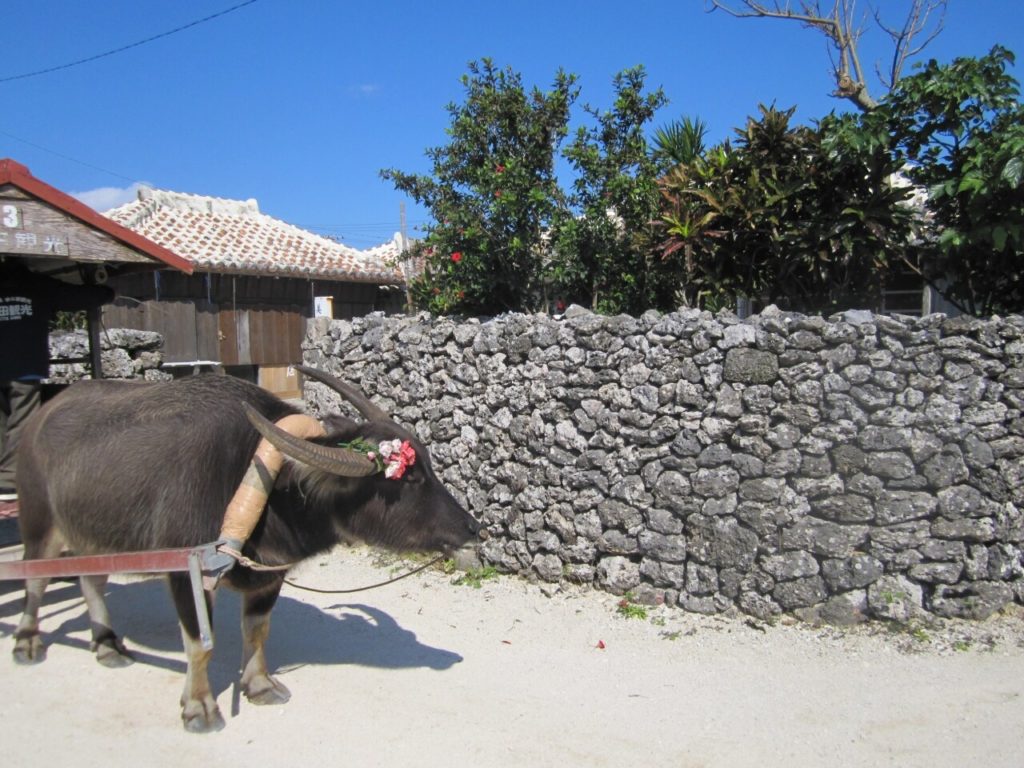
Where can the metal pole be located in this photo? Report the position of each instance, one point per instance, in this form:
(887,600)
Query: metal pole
(95,356)
(195,575)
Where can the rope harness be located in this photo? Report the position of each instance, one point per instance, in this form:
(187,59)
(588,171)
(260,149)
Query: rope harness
(251,564)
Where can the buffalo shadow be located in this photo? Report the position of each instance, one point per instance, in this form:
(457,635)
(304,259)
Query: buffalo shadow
(301,634)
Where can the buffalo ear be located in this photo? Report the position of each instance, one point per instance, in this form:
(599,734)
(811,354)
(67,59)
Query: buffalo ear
(332,459)
(362,403)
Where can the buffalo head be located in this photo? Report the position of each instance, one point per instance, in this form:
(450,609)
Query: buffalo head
(376,474)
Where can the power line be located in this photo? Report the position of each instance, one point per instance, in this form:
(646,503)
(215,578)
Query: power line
(126,47)
(66,157)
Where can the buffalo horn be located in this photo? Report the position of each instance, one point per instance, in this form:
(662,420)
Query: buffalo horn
(362,403)
(337,461)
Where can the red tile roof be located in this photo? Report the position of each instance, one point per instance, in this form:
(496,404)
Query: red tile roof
(16,174)
(233,237)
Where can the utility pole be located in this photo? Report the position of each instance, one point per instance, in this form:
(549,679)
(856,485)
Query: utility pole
(406,263)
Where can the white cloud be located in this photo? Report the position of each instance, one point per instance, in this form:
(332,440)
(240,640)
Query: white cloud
(364,89)
(104,198)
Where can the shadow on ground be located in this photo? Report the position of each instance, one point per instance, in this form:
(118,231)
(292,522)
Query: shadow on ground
(301,634)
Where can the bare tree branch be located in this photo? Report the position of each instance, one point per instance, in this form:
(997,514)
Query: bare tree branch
(843,27)
(918,22)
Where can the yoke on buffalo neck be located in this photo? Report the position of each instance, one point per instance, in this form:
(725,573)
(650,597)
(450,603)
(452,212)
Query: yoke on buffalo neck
(291,436)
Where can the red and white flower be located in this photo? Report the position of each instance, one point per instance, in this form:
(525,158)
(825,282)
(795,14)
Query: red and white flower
(397,455)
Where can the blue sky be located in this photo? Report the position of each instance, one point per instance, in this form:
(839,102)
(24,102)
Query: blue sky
(300,103)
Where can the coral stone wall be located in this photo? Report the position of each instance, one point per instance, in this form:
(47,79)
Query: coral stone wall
(124,354)
(838,468)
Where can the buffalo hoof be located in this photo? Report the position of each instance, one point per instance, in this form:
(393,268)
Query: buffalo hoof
(114,658)
(111,653)
(29,650)
(200,718)
(266,690)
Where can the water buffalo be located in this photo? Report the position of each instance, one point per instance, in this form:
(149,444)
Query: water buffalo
(113,466)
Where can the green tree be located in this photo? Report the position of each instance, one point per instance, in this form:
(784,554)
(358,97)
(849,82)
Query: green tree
(681,141)
(796,216)
(492,194)
(959,135)
(603,252)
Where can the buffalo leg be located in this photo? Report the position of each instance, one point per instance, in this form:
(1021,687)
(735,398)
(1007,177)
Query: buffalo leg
(257,683)
(28,644)
(199,710)
(110,652)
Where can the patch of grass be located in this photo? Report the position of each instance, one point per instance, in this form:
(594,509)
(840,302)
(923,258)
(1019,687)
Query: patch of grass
(672,635)
(889,597)
(630,610)
(475,577)
(658,621)
(919,634)
(961,645)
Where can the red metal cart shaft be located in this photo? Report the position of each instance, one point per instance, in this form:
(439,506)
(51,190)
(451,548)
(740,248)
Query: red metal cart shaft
(156,561)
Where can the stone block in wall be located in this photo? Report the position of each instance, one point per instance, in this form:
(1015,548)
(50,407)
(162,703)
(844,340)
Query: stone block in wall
(843,508)
(131,340)
(618,575)
(823,537)
(830,486)
(854,572)
(616,542)
(117,364)
(974,529)
(750,366)
(903,506)
(768,519)
(548,567)
(946,468)
(756,605)
(790,565)
(844,610)
(661,574)
(579,573)
(715,482)
(721,541)
(936,573)
(701,579)
(972,600)
(1004,562)
(666,548)
(895,598)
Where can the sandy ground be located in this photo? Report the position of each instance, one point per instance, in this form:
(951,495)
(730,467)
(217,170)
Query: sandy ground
(428,673)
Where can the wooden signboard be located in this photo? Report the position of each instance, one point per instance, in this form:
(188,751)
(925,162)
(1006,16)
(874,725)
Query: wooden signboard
(30,227)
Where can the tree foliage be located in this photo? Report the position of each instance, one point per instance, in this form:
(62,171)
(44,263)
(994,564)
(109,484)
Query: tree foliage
(790,215)
(959,134)
(602,248)
(680,141)
(813,218)
(492,194)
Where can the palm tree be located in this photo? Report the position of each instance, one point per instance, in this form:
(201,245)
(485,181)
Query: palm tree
(681,141)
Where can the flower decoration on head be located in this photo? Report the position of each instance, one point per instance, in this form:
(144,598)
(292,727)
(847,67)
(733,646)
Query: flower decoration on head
(392,457)
(397,456)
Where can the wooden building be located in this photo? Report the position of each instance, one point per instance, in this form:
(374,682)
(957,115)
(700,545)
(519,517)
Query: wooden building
(55,234)
(256,282)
